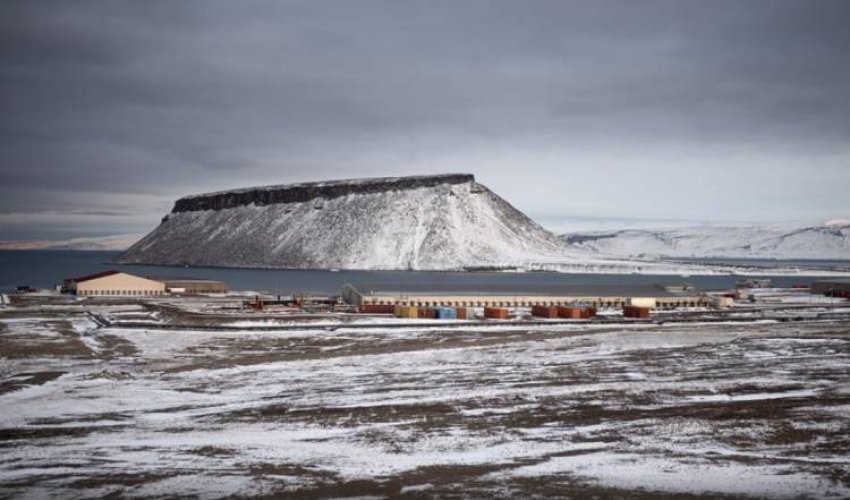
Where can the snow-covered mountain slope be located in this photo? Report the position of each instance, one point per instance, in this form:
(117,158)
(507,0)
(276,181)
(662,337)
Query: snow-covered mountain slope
(425,222)
(828,241)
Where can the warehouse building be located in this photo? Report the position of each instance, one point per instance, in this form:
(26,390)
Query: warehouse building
(462,295)
(837,287)
(114,283)
(191,286)
(117,283)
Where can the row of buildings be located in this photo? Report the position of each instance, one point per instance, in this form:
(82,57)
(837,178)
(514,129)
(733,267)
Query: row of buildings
(117,283)
(378,298)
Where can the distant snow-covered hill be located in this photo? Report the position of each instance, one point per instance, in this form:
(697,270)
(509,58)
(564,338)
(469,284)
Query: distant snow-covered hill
(115,242)
(828,241)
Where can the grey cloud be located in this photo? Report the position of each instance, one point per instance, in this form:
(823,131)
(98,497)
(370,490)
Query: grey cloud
(169,98)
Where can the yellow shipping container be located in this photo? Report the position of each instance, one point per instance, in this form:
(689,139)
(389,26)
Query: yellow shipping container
(406,311)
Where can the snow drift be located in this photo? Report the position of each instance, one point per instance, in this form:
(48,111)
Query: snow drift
(424,222)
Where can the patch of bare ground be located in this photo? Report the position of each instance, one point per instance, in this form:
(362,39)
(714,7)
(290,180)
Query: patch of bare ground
(229,352)
(120,479)
(64,341)
(21,380)
(213,451)
(25,300)
(110,375)
(112,346)
(10,434)
(93,417)
(546,487)
(454,482)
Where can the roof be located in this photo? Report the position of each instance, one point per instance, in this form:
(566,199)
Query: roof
(506,290)
(95,276)
(843,281)
(182,279)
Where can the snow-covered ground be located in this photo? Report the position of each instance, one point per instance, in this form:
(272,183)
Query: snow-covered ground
(828,241)
(577,410)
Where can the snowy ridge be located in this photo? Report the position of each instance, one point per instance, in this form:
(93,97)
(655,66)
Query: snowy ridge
(428,223)
(829,241)
(116,242)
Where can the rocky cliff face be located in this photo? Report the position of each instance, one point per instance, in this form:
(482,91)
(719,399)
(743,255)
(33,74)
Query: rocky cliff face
(423,222)
(300,193)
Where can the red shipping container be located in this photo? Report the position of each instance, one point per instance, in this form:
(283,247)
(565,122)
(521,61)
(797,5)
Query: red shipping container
(465,313)
(544,311)
(635,312)
(427,312)
(376,308)
(569,312)
(496,313)
(588,312)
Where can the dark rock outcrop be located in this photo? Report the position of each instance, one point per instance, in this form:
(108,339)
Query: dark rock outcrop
(299,193)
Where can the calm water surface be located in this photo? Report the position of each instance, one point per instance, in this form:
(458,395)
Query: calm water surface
(46,268)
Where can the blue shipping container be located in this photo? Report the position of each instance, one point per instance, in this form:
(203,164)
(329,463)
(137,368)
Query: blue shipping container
(445,313)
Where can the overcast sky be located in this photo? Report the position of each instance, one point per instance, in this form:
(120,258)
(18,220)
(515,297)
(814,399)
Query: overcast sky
(579,113)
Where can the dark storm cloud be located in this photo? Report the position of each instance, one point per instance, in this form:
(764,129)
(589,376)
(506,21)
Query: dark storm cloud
(114,106)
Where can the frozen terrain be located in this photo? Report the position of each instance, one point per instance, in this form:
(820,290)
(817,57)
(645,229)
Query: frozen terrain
(828,241)
(610,411)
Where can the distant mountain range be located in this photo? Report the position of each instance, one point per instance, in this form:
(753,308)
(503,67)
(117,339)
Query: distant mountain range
(114,242)
(828,241)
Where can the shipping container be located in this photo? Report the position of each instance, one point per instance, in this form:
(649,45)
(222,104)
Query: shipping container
(635,312)
(588,312)
(406,311)
(445,313)
(496,312)
(427,312)
(544,311)
(465,313)
(377,308)
(648,302)
(569,312)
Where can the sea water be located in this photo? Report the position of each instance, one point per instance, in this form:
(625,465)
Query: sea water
(47,268)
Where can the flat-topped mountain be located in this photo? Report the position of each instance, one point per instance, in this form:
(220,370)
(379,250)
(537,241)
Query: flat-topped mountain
(421,222)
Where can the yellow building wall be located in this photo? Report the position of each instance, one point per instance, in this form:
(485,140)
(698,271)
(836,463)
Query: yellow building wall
(120,284)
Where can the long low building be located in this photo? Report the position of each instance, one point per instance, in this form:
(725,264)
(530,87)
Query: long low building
(835,287)
(114,283)
(117,283)
(192,285)
(462,295)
